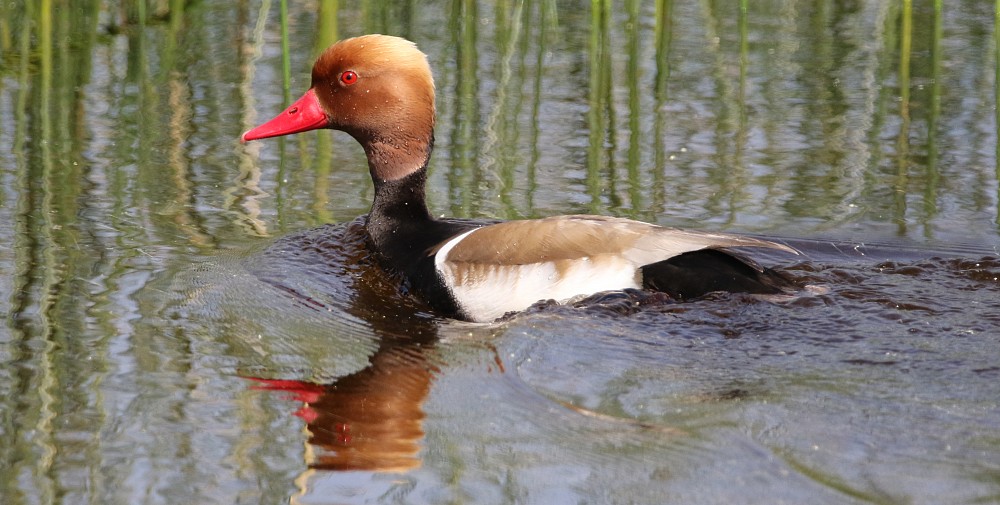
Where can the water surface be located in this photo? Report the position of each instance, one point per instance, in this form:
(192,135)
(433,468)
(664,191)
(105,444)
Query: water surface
(189,320)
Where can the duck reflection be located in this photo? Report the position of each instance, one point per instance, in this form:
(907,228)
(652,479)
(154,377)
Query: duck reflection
(370,420)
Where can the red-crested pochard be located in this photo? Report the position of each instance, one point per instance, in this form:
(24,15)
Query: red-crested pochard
(379,89)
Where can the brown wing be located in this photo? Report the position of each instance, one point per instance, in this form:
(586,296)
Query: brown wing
(580,236)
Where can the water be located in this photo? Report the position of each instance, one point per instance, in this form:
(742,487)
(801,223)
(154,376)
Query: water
(189,320)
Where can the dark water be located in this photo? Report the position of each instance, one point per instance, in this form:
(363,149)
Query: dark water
(188,320)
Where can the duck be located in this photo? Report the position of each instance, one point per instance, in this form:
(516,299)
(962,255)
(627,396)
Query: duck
(379,89)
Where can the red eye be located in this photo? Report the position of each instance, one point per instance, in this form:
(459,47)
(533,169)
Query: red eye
(349,77)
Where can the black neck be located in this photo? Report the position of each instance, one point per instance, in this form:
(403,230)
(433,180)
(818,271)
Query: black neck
(399,224)
(402,234)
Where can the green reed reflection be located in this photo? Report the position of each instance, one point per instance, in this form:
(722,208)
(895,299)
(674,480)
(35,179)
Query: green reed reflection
(931,187)
(327,32)
(500,138)
(663,32)
(244,193)
(903,139)
(286,60)
(600,114)
(635,131)
(866,119)
(643,84)
(464,175)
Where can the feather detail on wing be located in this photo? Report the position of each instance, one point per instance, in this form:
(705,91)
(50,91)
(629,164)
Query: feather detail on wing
(581,236)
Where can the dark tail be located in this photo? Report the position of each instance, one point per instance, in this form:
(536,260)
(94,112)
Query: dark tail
(697,273)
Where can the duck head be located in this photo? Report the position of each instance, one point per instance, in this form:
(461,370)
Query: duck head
(378,89)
